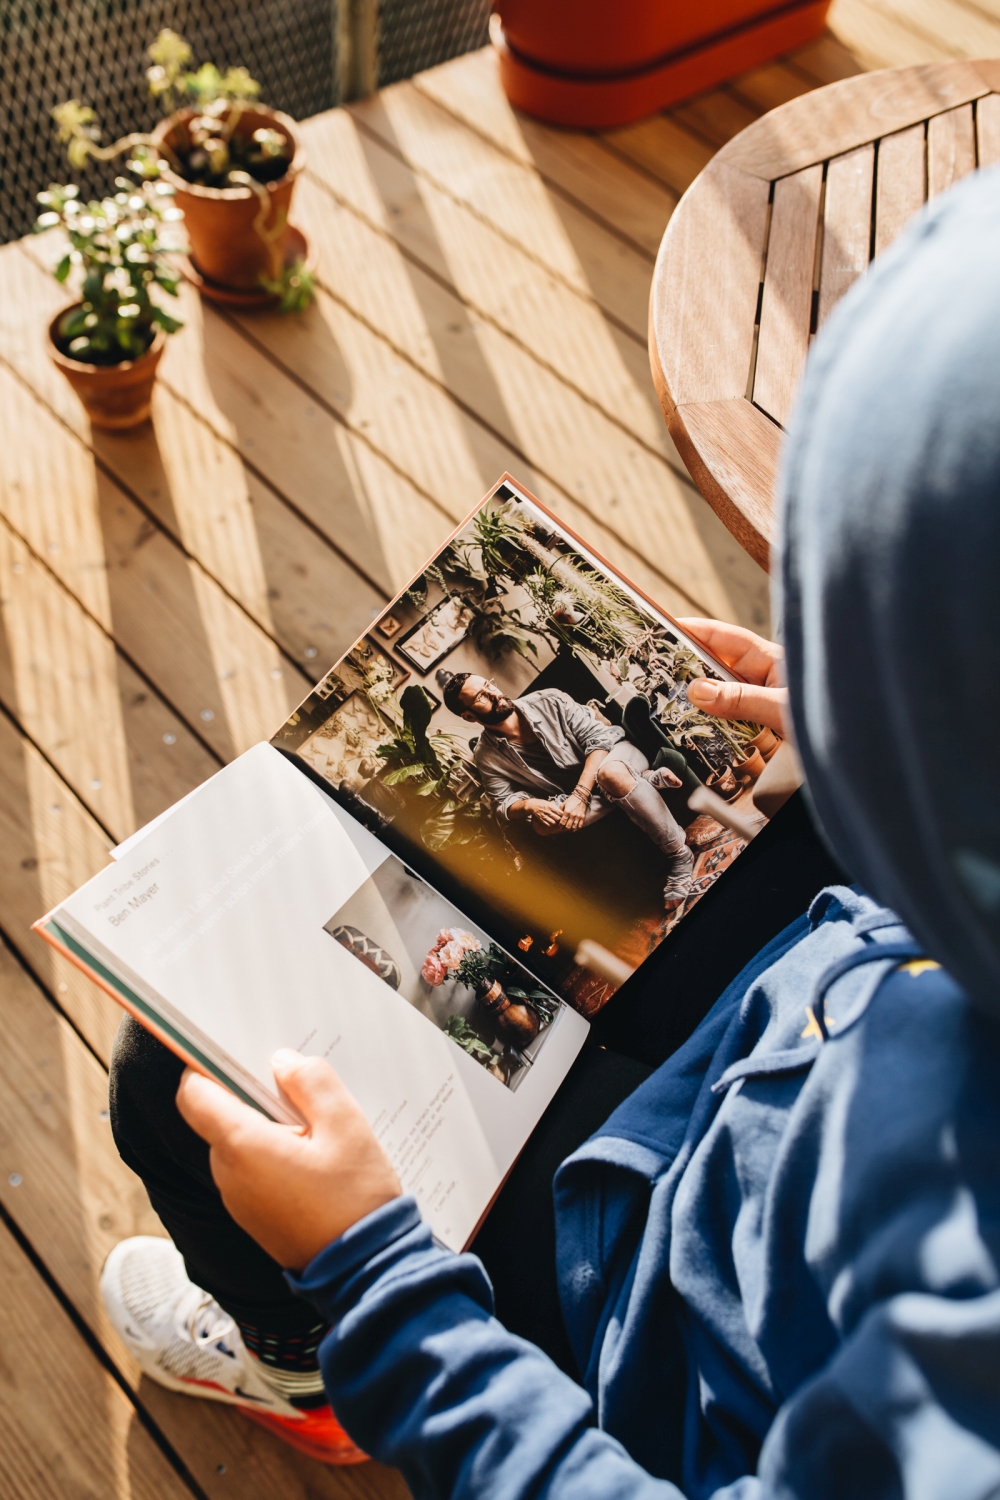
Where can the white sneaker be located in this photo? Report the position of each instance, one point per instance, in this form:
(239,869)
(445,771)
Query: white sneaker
(178,1334)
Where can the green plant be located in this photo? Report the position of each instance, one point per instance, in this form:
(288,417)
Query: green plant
(116,247)
(470,1041)
(482,966)
(427,764)
(216,154)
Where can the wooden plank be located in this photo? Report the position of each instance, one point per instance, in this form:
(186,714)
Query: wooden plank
(769,86)
(488,273)
(121,748)
(880,41)
(579,456)
(847,226)
(834,120)
(664,148)
(732,450)
(77,1434)
(963,29)
(51,846)
(301,450)
(824,61)
(786,307)
(716,116)
(988,130)
(193,481)
(901,187)
(701,326)
(951,149)
(507,193)
(76,1199)
(575,163)
(206,656)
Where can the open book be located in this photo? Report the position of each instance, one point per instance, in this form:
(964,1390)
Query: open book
(388,885)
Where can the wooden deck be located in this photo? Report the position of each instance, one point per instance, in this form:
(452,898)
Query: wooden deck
(167,598)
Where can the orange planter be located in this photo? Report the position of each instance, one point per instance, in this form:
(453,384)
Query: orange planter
(593,65)
(116,397)
(219,222)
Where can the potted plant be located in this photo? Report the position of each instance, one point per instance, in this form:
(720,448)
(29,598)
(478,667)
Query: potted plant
(483,970)
(109,342)
(232,164)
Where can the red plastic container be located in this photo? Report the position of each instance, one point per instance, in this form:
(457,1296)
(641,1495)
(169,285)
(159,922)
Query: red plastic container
(593,64)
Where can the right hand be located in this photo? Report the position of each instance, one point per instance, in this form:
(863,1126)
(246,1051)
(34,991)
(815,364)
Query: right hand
(293,1190)
(549,814)
(762,698)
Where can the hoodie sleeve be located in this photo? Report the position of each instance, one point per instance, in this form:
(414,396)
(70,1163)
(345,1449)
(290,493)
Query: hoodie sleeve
(424,1377)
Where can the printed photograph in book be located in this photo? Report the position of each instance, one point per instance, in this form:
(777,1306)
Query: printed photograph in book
(425,950)
(517,728)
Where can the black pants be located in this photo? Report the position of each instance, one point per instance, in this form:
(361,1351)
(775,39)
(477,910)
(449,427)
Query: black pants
(770,885)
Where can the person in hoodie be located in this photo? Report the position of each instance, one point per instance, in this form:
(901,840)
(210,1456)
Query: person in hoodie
(778,1258)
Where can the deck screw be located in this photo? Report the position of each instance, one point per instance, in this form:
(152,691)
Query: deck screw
(207,714)
(170,739)
(15,1179)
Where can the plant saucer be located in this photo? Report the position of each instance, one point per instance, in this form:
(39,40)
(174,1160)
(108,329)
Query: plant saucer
(297,248)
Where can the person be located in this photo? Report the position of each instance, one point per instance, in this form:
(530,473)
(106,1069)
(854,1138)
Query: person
(778,1258)
(548,761)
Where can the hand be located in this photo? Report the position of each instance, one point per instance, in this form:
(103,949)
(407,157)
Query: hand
(292,1190)
(762,698)
(574,810)
(549,814)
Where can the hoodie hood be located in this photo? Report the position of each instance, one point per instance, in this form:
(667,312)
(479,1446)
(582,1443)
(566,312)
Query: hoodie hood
(889,583)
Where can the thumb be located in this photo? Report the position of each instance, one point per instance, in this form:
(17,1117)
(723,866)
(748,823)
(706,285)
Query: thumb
(739,700)
(211,1110)
(310,1085)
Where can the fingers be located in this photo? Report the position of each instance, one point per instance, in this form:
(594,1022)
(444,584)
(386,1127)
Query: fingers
(310,1085)
(211,1110)
(739,700)
(749,655)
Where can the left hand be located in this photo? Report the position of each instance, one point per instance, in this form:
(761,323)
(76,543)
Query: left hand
(292,1190)
(574,810)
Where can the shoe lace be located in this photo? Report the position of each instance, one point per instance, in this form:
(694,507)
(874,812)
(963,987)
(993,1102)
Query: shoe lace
(201,1321)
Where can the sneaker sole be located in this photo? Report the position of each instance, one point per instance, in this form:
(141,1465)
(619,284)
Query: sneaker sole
(280,1427)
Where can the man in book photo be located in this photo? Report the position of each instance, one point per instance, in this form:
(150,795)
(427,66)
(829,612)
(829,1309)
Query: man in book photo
(547,761)
(752,1250)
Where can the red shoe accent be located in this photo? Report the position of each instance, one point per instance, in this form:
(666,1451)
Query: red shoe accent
(316,1432)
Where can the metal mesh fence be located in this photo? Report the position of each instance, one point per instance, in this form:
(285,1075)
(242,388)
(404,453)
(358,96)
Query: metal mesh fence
(416,34)
(94,50)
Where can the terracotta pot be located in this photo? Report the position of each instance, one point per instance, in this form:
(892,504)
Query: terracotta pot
(225,247)
(115,396)
(751,768)
(517,1022)
(591,64)
(766,742)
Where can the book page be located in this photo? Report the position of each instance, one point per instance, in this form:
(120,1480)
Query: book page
(261,915)
(517,609)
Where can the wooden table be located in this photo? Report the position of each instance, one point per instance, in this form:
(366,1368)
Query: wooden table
(770,237)
(166,598)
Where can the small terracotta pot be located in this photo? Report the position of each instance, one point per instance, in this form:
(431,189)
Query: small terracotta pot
(766,742)
(517,1022)
(115,396)
(751,768)
(219,222)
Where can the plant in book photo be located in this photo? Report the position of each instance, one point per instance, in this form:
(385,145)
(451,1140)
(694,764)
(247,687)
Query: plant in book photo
(232,163)
(544,761)
(418,944)
(109,341)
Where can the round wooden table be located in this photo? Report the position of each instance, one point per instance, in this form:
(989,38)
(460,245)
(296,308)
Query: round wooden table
(768,238)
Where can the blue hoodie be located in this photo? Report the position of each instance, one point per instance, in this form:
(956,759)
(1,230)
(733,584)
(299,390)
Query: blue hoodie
(778,1259)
